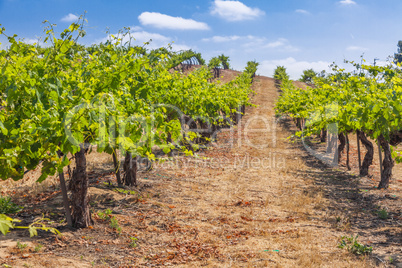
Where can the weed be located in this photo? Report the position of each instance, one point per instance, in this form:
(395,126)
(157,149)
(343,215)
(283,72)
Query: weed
(107,183)
(21,246)
(342,223)
(38,247)
(382,214)
(124,191)
(351,244)
(133,242)
(115,224)
(8,207)
(390,260)
(104,215)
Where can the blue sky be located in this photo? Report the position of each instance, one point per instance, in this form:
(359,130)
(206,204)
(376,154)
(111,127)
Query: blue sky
(298,34)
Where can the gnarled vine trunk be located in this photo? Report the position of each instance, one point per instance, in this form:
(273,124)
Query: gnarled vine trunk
(298,123)
(323,135)
(116,165)
(341,146)
(368,157)
(63,187)
(130,170)
(216,72)
(387,163)
(347,152)
(237,116)
(79,183)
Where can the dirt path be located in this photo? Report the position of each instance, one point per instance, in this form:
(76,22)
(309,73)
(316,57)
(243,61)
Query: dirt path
(254,199)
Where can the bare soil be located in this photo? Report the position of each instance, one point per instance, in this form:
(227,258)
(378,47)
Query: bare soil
(252,199)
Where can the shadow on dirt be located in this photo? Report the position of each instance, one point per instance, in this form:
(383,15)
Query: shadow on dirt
(353,207)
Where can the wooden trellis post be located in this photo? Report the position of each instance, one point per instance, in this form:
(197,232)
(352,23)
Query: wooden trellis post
(358,151)
(380,154)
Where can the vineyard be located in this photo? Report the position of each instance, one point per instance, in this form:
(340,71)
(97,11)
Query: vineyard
(366,102)
(155,158)
(66,99)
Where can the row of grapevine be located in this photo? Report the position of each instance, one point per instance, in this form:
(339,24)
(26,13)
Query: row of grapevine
(367,101)
(60,102)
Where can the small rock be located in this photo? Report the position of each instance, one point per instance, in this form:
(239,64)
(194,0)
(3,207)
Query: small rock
(132,199)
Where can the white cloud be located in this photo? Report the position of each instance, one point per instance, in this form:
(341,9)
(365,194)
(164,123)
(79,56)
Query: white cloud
(252,43)
(156,40)
(163,21)
(235,10)
(142,37)
(31,41)
(178,47)
(221,39)
(36,41)
(357,48)
(347,2)
(70,18)
(146,36)
(281,44)
(302,11)
(136,28)
(379,62)
(293,67)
